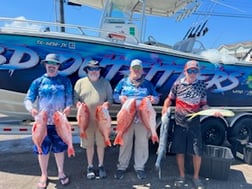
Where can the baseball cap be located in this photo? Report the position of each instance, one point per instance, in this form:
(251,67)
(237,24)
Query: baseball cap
(136,62)
(192,64)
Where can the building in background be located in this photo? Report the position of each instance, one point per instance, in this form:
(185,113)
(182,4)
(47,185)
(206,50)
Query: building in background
(241,50)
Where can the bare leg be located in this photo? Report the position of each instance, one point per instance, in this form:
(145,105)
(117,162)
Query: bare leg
(100,153)
(196,166)
(59,157)
(180,161)
(90,155)
(43,163)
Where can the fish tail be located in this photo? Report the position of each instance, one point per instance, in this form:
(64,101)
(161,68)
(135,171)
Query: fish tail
(154,139)
(191,116)
(70,152)
(118,140)
(39,149)
(108,143)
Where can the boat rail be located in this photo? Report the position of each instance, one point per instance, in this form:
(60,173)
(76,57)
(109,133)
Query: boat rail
(31,26)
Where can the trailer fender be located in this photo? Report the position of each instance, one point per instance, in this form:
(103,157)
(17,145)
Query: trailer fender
(213,130)
(238,116)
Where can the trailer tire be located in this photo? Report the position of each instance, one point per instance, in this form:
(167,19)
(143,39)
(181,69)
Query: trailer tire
(213,131)
(240,130)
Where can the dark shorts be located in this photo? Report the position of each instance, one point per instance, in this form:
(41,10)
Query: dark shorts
(187,140)
(52,142)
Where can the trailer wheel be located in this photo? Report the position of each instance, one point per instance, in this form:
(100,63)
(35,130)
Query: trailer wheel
(241,130)
(213,131)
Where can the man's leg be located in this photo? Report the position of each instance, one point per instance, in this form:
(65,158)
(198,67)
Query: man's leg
(180,162)
(43,163)
(196,166)
(60,157)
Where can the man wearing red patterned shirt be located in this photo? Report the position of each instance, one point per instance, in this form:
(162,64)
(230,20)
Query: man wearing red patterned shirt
(189,95)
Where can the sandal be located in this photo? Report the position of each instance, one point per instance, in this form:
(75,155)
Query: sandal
(198,184)
(64,181)
(179,182)
(42,184)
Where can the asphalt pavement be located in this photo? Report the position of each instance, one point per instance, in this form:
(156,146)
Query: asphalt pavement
(19,170)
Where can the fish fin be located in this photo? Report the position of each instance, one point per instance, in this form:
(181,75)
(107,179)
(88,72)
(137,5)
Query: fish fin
(70,152)
(83,135)
(34,127)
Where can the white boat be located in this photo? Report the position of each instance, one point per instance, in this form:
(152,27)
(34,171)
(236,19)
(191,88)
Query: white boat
(115,43)
(118,40)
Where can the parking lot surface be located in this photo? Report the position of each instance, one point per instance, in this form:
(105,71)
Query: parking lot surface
(19,170)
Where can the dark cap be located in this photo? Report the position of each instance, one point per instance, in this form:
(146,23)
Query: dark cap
(92,64)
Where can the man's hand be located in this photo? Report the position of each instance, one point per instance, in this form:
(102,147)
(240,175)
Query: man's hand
(78,104)
(106,104)
(218,114)
(164,110)
(67,110)
(151,98)
(34,112)
(123,99)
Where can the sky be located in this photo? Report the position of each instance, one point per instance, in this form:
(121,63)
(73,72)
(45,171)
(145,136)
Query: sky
(228,21)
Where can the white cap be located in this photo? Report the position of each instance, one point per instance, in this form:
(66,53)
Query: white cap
(136,62)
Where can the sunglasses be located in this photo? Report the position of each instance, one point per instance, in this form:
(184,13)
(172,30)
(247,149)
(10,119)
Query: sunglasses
(137,67)
(192,71)
(52,63)
(93,68)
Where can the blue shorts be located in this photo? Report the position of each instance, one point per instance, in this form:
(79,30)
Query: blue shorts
(187,140)
(52,142)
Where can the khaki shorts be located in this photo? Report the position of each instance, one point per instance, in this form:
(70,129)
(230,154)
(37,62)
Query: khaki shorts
(94,136)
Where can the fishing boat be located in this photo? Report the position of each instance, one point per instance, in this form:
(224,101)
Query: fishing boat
(117,41)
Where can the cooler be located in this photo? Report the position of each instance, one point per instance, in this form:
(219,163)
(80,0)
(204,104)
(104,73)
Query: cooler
(216,162)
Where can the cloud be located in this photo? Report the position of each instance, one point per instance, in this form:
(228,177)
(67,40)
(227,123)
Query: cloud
(21,23)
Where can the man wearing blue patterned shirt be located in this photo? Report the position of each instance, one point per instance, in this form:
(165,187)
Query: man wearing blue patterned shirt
(53,92)
(134,86)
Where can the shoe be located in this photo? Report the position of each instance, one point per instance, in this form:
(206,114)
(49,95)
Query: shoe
(179,182)
(64,181)
(119,174)
(198,184)
(90,173)
(102,172)
(141,174)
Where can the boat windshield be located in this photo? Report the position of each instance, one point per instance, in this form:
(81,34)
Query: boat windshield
(119,11)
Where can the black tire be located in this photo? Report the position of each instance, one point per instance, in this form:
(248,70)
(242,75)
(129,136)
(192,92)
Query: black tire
(213,131)
(240,130)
